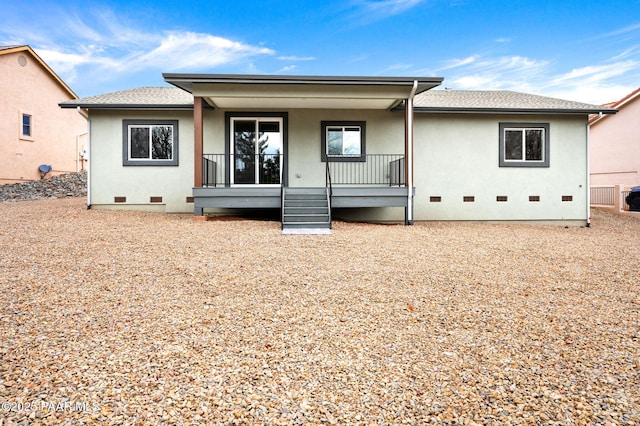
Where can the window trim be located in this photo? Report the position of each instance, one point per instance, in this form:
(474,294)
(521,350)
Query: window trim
(127,161)
(343,158)
(23,136)
(503,162)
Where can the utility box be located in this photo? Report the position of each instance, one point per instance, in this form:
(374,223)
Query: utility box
(633,199)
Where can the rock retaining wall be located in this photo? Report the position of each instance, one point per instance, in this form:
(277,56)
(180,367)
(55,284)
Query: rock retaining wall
(67,185)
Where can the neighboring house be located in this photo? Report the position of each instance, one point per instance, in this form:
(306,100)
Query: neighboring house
(34,131)
(360,148)
(615,144)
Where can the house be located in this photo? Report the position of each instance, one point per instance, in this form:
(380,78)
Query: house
(615,144)
(34,131)
(359,148)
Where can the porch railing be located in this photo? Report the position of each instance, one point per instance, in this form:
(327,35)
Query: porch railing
(377,169)
(250,169)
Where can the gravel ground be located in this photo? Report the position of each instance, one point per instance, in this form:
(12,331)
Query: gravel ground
(143,318)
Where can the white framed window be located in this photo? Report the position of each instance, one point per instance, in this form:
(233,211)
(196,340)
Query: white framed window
(26,126)
(343,140)
(524,145)
(150,142)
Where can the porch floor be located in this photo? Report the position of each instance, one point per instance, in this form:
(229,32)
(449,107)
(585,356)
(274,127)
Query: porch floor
(270,197)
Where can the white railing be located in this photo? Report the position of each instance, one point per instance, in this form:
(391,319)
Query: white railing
(603,195)
(613,196)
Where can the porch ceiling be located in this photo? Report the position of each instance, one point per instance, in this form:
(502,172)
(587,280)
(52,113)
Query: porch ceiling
(250,91)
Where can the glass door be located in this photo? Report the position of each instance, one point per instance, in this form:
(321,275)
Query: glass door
(257,150)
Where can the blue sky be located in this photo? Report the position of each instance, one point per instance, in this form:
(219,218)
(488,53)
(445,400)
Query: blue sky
(579,50)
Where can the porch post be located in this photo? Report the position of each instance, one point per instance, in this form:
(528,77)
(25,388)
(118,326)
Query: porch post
(408,154)
(198,140)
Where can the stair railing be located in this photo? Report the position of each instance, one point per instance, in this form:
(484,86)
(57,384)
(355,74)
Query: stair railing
(329,186)
(282,205)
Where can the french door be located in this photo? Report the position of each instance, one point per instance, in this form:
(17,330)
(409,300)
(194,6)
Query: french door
(256,147)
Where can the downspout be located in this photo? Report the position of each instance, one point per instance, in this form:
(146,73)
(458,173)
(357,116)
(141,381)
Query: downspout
(589,176)
(88,155)
(409,152)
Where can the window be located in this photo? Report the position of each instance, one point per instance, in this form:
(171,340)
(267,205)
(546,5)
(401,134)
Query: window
(150,143)
(524,145)
(343,141)
(26,125)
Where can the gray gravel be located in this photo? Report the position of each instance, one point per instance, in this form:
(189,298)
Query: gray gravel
(144,318)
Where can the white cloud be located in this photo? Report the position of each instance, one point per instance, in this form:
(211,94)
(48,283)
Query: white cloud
(172,51)
(188,50)
(596,73)
(593,94)
(296,58)
(471,82)
(596,84)
(367,11)
(476,72)
(630,52)
(620,31)
(396,68)
(99,48)
(286,69)
(456,63)
(390,7)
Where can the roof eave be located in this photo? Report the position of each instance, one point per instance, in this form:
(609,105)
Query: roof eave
(186,81)
(56,77)
(509,110)
(124,107)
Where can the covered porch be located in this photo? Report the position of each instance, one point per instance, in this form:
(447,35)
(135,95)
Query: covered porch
(351,173)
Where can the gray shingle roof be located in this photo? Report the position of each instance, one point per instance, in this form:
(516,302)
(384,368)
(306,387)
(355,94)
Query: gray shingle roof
(487,101)
(140,98)
(498,101)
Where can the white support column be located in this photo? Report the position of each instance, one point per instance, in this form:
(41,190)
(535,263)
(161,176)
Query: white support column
(618,199)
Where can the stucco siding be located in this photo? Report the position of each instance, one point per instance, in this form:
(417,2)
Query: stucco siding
(615,148)
(456,156)
(110,179)
(57,134)
(384,135)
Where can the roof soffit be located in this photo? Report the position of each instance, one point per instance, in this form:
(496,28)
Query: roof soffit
(300,95)
(239,91)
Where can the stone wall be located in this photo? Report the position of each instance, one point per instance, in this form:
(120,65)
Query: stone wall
(67,185)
